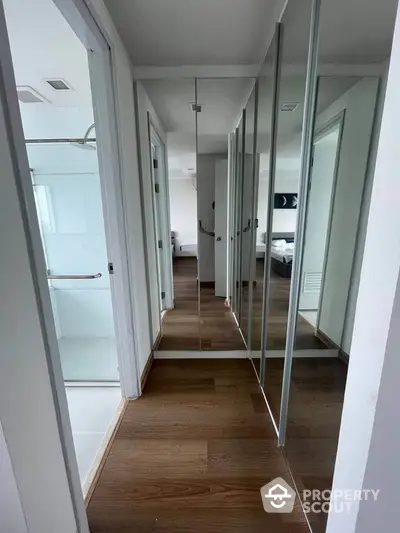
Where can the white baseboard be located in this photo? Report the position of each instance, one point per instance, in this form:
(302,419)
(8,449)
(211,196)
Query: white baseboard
(274,354)
(92,383)
(241,354)
(192,354)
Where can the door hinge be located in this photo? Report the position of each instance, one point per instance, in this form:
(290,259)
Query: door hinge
(110,268)
(155,163)
(162,295)
(157,187)
(160,244)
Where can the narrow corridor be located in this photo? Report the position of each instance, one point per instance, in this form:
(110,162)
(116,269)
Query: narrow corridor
(191,455)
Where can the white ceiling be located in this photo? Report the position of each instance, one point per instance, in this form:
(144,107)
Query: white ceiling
(221,101)
(194,32)
(351,31)
(43,46)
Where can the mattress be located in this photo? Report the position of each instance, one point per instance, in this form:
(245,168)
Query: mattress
(285,256)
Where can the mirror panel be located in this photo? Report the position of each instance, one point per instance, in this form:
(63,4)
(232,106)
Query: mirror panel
(344,134)
(248,189)
(290,102)
(171,100)
(261,200)
(219,103)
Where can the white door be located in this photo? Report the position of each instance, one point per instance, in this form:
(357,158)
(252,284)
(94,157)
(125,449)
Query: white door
(221,217)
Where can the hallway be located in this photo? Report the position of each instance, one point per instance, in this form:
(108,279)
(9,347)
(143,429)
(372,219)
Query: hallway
(191,455)
(182,329)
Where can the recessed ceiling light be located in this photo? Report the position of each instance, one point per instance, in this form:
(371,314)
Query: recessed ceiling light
(28,95)
(290,106)
(59,84)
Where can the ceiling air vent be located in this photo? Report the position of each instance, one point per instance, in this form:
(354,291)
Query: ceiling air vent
(59,85)
(290,106)
(27,95)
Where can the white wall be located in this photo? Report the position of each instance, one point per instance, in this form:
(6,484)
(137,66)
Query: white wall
(359,103)
(11,515)
(318,210)
(183,209)
(359,251)
(284,220)
(145,106)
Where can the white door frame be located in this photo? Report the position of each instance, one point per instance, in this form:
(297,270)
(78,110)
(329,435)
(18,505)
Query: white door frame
(326,129)
(83,23)
(102,77)
(161,204)
(57,399)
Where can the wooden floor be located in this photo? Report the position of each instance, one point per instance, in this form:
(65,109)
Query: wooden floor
(315,408)
(198,321)
(191,455)
(202,322)
(278,313)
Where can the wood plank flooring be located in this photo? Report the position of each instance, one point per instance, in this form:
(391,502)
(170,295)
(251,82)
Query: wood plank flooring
(315,408)
(199,321)
(278,313)
(206,324)
(191,455)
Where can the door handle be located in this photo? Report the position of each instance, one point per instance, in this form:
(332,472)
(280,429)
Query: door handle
(73,276)
(206,232)
(248,227)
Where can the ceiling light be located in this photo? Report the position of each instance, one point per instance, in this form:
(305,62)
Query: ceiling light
(58,84)
(290,106)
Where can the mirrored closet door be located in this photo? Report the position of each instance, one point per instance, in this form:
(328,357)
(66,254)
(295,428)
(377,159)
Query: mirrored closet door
(265,119)
(174,105)
(283,193)
(337,184)
(219,182)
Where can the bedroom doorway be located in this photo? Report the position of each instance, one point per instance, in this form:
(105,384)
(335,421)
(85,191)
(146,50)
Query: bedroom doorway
(326,150)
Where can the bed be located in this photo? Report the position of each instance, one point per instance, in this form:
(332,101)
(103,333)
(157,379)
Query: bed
(282,250)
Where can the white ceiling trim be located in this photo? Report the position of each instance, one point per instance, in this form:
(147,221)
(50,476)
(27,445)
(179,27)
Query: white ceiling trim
(251,71)
(196,71)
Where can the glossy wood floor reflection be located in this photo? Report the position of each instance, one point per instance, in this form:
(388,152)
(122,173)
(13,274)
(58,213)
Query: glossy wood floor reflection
(278,313)
(198,321)
(191,455)
(315,408)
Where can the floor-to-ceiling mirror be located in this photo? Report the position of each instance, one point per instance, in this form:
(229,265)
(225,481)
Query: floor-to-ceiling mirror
(343,138)
(219,105)
(173,102)
(283,203)
(247,194)
(266,86)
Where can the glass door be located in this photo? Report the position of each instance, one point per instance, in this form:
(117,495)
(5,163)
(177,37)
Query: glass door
(67,191)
